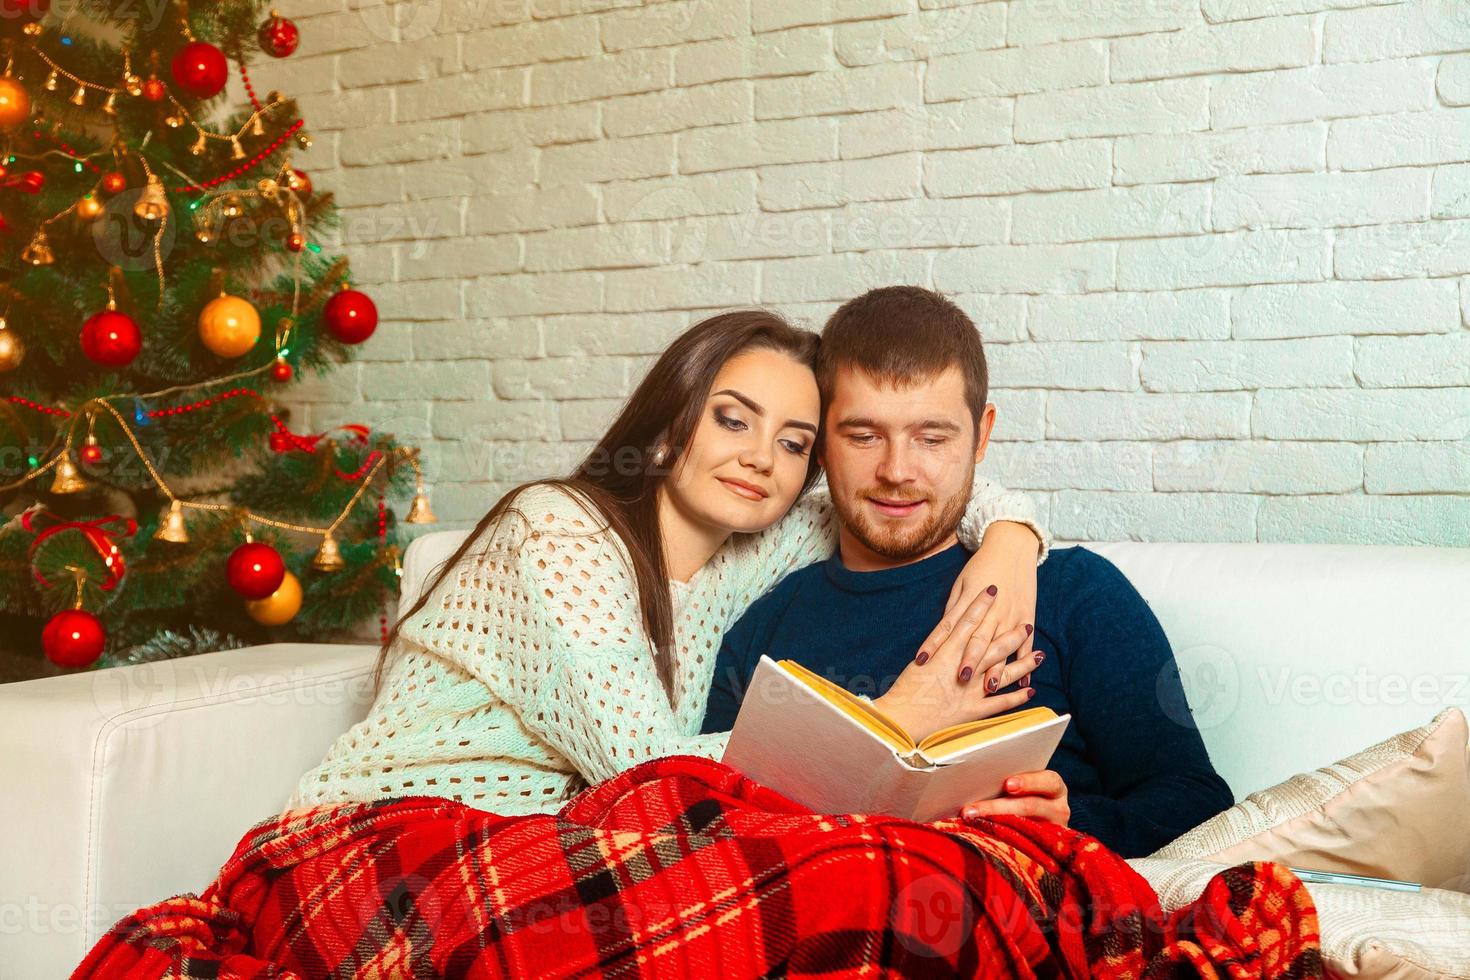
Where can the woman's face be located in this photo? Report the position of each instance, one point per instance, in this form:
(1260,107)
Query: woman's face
(748,457)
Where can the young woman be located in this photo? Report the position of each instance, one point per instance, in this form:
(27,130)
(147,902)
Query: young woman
(574,633)
(572,640)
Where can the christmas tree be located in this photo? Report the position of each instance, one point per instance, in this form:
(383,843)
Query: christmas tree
(161,286)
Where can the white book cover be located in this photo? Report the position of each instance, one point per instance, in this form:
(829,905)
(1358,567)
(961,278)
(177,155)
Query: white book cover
(792,739)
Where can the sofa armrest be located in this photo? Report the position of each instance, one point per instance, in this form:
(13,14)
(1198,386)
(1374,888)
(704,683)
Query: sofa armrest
(126,786)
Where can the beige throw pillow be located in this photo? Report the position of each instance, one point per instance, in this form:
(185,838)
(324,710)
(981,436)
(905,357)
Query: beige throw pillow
(1367,933)
(1394,810)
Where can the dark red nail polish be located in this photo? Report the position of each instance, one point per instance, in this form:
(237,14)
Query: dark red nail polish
(966,674)
(1039,658)
(992,590)
(922,658)
(1028,629)
(1030,693)
(992,685)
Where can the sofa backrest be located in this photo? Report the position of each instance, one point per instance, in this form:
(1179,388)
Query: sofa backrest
(1292,655)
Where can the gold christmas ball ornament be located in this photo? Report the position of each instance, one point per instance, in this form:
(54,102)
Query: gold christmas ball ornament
(229,326)
(280,607)
(12,348)
(89,208)
(15,103)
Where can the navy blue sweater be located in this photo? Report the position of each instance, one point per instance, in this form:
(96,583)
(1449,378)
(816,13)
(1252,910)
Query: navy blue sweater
(1136,770)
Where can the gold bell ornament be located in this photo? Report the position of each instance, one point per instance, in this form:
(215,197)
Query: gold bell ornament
(38,252)
(419,512)
(12,348)
(153,204)
(171,527)
(68,480)
(328,556)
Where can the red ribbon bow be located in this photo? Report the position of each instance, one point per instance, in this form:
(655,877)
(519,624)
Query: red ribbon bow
(31,181)
(98,533)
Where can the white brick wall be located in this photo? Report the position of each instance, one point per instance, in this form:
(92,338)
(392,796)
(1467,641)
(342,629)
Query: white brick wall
(1219,249)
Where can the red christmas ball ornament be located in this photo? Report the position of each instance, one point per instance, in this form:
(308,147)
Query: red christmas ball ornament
(111,338)
(255,570)
(200,69)
(281,371)
(31,9)
(351,316)
(278,36)
(114,182)
(154,90)
(302,183)
(295,241)
(92,455)
(73,638)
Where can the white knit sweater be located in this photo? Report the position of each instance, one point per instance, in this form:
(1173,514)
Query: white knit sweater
(528,674)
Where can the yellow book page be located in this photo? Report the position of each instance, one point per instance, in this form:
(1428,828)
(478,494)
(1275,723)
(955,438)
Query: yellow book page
(850,704)
(957,738)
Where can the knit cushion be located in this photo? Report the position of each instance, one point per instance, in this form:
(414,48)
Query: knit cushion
(1393,810)
(1367,933)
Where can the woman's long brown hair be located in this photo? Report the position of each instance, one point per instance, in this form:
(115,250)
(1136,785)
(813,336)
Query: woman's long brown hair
(618,475)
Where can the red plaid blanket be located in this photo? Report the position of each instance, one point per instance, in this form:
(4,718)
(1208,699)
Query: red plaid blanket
(681,867)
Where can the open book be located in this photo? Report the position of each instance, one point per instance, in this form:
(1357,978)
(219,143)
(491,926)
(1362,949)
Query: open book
(830,750)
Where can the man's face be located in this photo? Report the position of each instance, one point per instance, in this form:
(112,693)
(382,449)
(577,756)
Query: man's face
(900,463)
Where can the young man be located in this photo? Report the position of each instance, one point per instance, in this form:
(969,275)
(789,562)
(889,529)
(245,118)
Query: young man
(902,373)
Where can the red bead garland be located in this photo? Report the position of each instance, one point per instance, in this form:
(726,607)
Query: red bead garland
(244,167)
(382,537)
(237,172)
(18,400)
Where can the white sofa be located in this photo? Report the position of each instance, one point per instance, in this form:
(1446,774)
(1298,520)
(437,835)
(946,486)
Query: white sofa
(126,786)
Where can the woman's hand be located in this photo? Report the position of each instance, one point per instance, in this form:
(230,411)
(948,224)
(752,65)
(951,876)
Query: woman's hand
(996,593)
(925,699)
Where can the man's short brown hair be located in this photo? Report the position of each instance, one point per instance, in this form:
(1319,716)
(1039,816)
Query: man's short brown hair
(903,335)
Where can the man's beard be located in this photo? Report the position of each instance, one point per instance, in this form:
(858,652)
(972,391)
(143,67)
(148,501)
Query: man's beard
(907,541)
